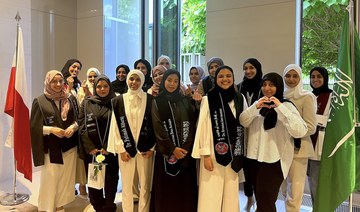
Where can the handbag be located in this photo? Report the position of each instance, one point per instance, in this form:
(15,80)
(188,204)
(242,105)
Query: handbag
(96,174)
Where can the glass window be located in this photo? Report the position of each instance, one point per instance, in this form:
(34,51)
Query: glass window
(122,34)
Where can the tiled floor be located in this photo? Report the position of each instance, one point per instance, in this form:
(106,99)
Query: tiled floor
(79,204)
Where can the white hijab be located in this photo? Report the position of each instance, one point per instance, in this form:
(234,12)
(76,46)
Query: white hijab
(88,83)
(135,103)
(297,91)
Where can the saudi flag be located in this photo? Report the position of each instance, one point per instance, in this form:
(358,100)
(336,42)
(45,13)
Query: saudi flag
(337,169)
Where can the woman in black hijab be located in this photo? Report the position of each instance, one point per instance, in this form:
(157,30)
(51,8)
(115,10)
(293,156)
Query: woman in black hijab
(145,67)
(70,72)
(174,184)
(272,123)
(319,81)
(95,117)
(119,84)
(219,144)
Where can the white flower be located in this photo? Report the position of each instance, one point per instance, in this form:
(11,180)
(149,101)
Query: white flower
(100,158)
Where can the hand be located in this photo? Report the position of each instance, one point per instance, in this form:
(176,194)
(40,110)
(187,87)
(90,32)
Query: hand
(264,102)
(208,163)
(93,152)
(147,154)
(103,152)
(197,96)
(58,132)
(275,101)
(125,156)
(188,90)
(69,132)
(179,153)
(83,84)
(70,82)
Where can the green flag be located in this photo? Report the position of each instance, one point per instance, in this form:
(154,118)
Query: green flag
(337,169)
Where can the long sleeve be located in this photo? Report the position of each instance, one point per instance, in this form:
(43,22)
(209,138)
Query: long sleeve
(292,120)
(164,144)
(115,143)
(203,137)
(309,114)
(36,132)
(86,142)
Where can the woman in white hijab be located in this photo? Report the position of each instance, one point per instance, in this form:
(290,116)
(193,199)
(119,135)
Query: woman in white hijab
(88,84)
(131,136)
(305,102)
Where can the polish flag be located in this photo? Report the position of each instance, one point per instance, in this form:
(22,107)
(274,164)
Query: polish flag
(17,106)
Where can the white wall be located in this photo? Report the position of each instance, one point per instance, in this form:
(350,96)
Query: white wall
(239,29)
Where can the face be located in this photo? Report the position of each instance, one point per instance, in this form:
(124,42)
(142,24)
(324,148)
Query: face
(292,78)
(142,68)
(134,82)
(92,77)
(213,67)
(102,88)
(316,79)
(194,76)
(225,79)
(249,71)
(165,63)
(158,75)
(74,69)
(121,74)
(171,83)
(57,83)
(268,88)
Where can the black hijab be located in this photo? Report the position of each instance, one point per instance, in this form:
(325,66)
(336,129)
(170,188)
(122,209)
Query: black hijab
(228,94)
(325,87)
(163,93)
(103,101)
(252,85)
(270,113)
(66,73)
(148,81)
(120,86)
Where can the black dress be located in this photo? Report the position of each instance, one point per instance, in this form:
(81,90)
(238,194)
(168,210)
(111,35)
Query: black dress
(94,129)
(174,193)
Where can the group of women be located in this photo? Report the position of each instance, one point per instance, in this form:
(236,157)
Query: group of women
(150,126)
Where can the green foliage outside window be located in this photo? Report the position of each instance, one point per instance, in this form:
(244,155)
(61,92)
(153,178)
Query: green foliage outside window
(193,26)
(322,22)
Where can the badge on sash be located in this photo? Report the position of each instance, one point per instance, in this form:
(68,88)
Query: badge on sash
(222,148)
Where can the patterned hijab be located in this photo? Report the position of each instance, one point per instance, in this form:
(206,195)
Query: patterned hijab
(61,96)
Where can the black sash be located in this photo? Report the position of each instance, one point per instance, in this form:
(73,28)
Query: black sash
(145,141)
(166,113)
(228,134)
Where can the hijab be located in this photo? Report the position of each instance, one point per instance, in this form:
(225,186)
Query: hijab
(66,73)
(325,87)
(103,101)
(270,113)
(57,96)
(148,81)
(252,85)
(298,91)
(163,57)
(155,87)
(200,70)
(142,79)
(163,93)
(228,94)
(217,60)
(120,86)
(88,83)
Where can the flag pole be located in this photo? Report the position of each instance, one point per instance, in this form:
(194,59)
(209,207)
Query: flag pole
(15,198)
(352,57)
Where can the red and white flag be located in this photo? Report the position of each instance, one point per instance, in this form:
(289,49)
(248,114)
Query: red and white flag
(17,106)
